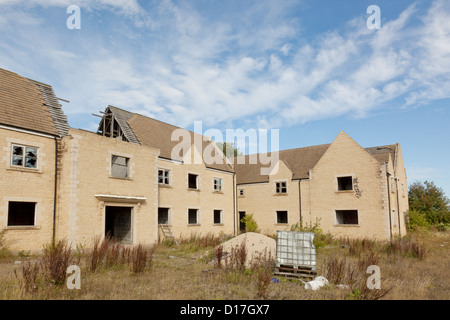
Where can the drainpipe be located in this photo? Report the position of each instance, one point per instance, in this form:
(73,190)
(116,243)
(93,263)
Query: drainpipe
(55,191)
(398,208)
(234,203)
(300,202)
(389,201)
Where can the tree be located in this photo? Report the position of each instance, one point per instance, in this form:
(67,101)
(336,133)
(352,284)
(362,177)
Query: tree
(429,202)
(229,149)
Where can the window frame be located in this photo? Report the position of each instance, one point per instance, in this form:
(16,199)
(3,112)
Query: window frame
(219,189)
(24,157)
(278,218)
(168,216)
(127,166)
(166,179)
(9,224)
(197,217)
(279,187)
(339,183)
(220,211)
(197,186)
(343,218)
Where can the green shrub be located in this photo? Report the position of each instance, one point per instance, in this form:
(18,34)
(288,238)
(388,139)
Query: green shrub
(417,221)
(250,223)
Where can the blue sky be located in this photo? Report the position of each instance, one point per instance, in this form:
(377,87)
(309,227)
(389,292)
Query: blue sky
(308,68)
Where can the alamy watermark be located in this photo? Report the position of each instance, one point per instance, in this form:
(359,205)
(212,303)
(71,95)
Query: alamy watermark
(374,20)
(252,139)
(374,281)
(74,21)
(74,280)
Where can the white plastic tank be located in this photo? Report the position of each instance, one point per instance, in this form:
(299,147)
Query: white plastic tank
(296,249)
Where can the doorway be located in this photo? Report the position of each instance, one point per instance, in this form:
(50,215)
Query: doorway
(241,223)
(118,226)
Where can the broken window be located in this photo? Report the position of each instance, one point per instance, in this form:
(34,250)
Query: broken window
(193,216)
(217,216)
(347,216)
(25,157)
(119,167)
(281,187)
(192,181)
(345,183)
(163,177)
(282,217)
(217,184)
(163,215)
(21,213)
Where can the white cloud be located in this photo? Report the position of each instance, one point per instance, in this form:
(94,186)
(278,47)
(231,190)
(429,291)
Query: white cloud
(125,6)
(187,66)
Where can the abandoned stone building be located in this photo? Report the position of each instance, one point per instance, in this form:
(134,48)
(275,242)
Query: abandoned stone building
(345,189)
(130,181)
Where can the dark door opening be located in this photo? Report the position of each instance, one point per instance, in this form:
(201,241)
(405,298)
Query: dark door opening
(118,224)
(241,222)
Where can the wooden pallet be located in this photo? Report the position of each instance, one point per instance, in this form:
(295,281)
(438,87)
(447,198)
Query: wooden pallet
(298,272)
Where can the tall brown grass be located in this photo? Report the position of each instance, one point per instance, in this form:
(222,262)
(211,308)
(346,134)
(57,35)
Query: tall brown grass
(139,259)
(28,279)
(57,257)
(237,257)
(180,272)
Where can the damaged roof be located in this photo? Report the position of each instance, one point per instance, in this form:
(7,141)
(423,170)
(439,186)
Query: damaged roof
(122,117)
(157,134)
(30,105)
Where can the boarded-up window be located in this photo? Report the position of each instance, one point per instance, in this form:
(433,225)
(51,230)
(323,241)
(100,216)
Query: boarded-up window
(119,167)
(21,213)
(217,216)
(347,216)
(193,216)
(345,183)
(24,157)
(282,217)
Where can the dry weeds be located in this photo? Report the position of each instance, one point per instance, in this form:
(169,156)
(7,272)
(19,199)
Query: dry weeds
(185,271)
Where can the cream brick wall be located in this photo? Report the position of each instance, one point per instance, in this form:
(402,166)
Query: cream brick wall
(262,201)
(86,175)
(401,184)
(27,185)
(86,188)
(345,157)
(377,208)
(179,198)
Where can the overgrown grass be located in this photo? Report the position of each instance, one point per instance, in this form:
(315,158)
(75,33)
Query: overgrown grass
(190,271)
(5,253)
